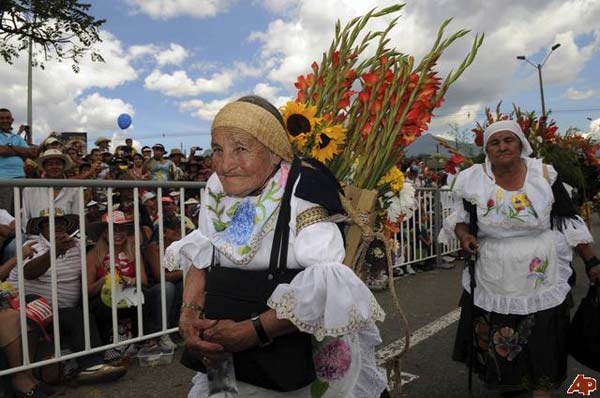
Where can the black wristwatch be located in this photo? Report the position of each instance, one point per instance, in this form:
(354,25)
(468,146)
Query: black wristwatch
(263,338)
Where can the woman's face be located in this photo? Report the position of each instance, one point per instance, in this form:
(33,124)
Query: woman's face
(242,163)
(121,233)
(138,161)
(503,148)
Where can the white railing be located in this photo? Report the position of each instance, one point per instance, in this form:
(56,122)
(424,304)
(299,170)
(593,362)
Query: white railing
(429,214)
(81,185)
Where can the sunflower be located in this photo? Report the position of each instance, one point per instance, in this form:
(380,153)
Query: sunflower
(328,142)
(299,121)
(394,177)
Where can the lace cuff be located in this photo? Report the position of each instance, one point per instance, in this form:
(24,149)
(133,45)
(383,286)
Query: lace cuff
(576,232)
(195,249)
(326,300)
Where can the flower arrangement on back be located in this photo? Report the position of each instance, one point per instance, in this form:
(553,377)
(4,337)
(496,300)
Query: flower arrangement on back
(357,113)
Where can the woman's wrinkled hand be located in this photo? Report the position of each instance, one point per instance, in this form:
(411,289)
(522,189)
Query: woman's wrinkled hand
(192,329)
(469,243)
(234,336)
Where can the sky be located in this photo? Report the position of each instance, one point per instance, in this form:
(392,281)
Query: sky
(172,64)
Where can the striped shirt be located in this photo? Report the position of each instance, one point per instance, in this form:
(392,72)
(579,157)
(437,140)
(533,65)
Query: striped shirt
(68,275)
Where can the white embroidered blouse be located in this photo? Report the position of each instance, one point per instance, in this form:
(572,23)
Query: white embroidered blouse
(326,300)
(523,265)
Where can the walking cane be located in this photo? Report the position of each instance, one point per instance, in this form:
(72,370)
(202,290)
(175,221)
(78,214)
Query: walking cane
(470,264)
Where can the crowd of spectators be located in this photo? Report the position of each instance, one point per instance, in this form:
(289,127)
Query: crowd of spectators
(54,159)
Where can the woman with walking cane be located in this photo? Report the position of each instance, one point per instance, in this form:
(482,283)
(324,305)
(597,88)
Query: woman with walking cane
(513,215)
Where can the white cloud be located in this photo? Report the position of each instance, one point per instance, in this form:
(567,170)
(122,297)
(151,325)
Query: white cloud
(57,105)
(174,55)
(99,113)
(270,93)
(179,84)
(489,79)
(165,9)
(205,110)
(574,94)
(279,6)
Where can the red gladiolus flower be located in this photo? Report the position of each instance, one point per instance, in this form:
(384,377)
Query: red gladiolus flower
(457,159)
(479,138)
(351,74)
(370,79)
(364,96)
(315,66)
(301,96)
(335,58)
(383,59)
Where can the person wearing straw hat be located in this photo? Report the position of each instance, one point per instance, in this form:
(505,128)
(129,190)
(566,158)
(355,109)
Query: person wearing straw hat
(103,143)
(38,281)
(523,229)
(176,156)
(292,318)
(53,164)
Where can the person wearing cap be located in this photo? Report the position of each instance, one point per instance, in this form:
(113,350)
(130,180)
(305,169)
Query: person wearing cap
(67,265)
(191,210)
(255,203)
(161,169)
(527,227)
(147,152)
(98,267)
(51,143)
(13,152)
(53,164)
(103,143)
(150,204)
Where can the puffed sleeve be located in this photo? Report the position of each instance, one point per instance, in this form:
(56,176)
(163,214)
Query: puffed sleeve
(576,231)
(327,298)
(458,214)
(194,249)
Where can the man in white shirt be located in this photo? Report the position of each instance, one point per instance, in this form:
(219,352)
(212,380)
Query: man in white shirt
(36,199)
(38,276)
(7,230)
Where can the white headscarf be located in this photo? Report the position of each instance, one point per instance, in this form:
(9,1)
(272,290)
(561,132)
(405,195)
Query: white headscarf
(513,127)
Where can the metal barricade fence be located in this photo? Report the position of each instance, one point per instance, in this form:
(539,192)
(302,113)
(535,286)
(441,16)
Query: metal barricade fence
(81,185)
(427,218)
(417,238)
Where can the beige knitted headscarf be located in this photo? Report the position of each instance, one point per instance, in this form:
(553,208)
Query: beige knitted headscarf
(257,122)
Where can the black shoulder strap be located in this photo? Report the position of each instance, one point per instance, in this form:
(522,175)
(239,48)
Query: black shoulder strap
(281,236)
(562,208)
(472,210)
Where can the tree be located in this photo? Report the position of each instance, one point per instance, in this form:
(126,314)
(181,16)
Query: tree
(463,139)
(61,29)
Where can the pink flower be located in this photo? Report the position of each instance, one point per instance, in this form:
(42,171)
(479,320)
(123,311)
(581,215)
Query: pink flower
(333,360)
(285,170)
(534,264)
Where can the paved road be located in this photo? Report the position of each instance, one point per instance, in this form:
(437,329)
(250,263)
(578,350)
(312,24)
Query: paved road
(426,298)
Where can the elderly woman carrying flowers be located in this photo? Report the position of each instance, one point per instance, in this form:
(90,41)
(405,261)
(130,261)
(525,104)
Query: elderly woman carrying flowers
(265,279)
(526,226)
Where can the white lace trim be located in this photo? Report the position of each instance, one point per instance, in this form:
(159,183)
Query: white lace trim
(286,308)
(371,381)
(576,232)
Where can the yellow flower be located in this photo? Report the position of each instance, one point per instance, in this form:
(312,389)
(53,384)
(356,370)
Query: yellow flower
(107,281)
(394,177)
(300,121)
(328,142)
(520,202)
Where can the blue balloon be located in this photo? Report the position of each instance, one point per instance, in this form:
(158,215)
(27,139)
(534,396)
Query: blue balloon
(124,121)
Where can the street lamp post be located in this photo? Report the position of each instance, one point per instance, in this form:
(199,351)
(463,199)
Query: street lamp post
(539,69)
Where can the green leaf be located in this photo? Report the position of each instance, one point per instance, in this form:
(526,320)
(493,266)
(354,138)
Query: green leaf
(231,211)
(318,388)
(220,226)
(245,250)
